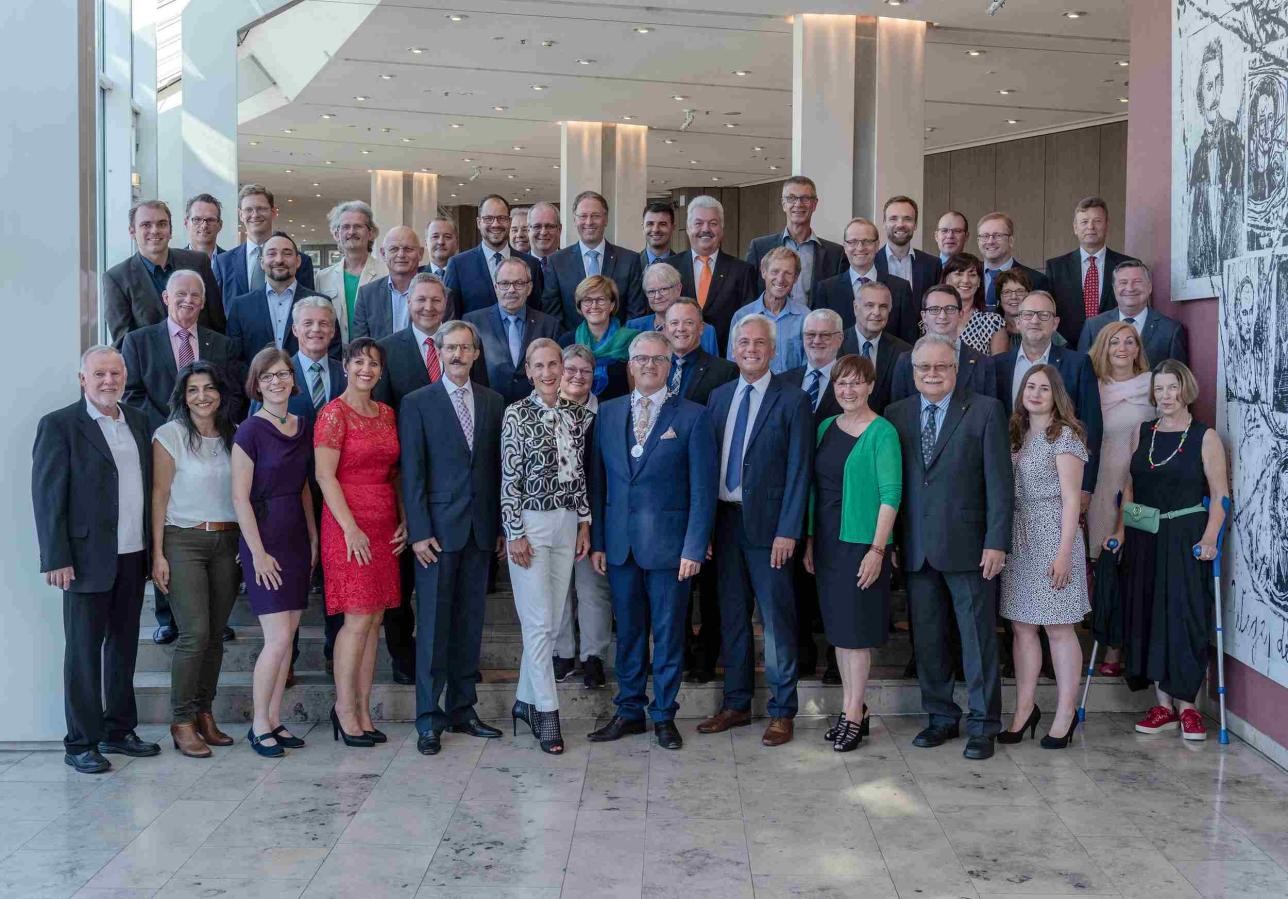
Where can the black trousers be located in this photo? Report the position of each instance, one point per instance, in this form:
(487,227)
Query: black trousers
(101,631)
(400,623)
(705,645)
(807,613)
(452,596)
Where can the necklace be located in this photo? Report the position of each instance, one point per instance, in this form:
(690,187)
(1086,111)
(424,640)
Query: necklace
(1153,432)
(280,419)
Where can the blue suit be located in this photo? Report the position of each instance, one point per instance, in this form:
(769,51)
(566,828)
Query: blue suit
(648,323)
(250,327)
(470,280)
(230,272)
(647,515)
(776,471)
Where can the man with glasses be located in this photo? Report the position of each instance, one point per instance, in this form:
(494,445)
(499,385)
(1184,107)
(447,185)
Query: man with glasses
(840,292)
(996,237)
(471,275)
(870,339)
(951,234)
(1082,282)
(897,257)
(381,308)
(544,230)
(262,317)
(662,288)
(240,270)
(659,225)
(353,227)
(591,255)
(519,230)
(203,216)
(820,259)
(507,327)
(941,313)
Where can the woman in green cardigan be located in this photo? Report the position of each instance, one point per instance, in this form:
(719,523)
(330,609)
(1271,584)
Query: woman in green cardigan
(858,481)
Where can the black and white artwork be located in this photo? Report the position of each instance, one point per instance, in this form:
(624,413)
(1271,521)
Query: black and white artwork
(1265,181)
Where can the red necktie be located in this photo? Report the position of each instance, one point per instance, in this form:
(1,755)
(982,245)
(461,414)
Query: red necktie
(432,365)
(1091,289)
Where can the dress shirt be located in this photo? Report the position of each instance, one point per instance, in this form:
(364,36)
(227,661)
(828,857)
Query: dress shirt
(697,267)
(806,250)
(758,389)
(253,253)
(399,315)
(1137,320)
(988,279)
(488,253)
(942,406)
(943,258)
(453,387)
(900,267)
(129,478)
(1100,265)
(585,251)
(1022,366)
(875,341)
(655,401)
(158,273)
(305,363)
(825,378)
(421,337)
(174,340)
(870,274)
(279,309)
(648,254)
(789,348)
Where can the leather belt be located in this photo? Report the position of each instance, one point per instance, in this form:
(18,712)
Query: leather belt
(215,526)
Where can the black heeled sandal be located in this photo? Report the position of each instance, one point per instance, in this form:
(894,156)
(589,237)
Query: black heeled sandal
(546,728)
(256,742)
(522,711)
(1031,725)
(360,740)
(1050,742)
(848,737)
(864,726)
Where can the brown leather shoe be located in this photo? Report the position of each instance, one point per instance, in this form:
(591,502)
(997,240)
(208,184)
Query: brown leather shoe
(780,731)
(724,719)
(290,677)
(210,732)
(188,741)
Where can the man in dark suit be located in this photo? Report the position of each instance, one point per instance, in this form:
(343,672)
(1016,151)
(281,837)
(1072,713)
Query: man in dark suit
(544,231)
(1083,281)
(471,275)
(132,289)
(203,216)
(653,504)
(996,236)
(262,317)
(91,483)
(951,232)
(722,284)
(941,312)
(441,244)
(506,328)
(450,433)
(381,307)
(241,269)
(592,255)
(840,292)
(659,226)
(820,259)
(1161,336)
(870,339)
(764,428)
(955,529)
(897,257)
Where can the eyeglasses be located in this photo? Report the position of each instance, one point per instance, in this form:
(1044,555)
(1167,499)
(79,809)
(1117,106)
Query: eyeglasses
(1029,315)
(849,384)
(660,291)
(269,377)
(543,227)
(936,311)
(399,251)
(202,220)
(577,372)
(642,361)
(494,219)
(456,347)
(1014,293)
(793,200)
(820,335)
(590,217)
(950,230)
(596,301)
(939,368)
(989,238)
(512,285)
(861,242)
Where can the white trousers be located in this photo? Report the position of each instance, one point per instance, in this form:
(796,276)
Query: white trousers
(540,594)
(594,614)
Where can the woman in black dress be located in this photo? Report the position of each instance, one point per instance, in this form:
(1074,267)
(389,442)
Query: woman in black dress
(1167,592)
(858,481)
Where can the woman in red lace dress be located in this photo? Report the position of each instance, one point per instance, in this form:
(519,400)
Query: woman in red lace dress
(355,443)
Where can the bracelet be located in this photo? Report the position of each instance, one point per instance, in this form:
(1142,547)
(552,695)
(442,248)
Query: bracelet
(879,550)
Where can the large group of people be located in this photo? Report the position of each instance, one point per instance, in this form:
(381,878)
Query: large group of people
(656,445)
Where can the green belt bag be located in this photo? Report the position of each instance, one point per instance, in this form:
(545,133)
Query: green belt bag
(1146,518)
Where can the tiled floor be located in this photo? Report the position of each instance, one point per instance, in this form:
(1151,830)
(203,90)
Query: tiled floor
(1117,815)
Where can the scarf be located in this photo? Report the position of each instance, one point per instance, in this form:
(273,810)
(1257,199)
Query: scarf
(614,346)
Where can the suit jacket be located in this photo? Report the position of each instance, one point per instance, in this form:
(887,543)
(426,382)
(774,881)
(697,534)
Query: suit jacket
(660,508)
(301,403)
(405,369)
(976,373)
(1163,337)
(565,269)
(373,314)
(926,270)
(889,349)
(470,280)
(829,260)
(777,463)
(131,300)
(1036,278)
(709,372)
(733,285)
(330,283)
(1065,276)
(644,263)
(837,294)
(827,404)
(230,271)
(1083,388)
(962,503)
(151,371)
(250,327)
(74,494)
(450,492)
(504,376)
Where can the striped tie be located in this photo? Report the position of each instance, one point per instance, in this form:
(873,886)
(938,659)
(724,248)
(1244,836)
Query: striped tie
(464,417)
(317,389)
(432,366)
(186,355)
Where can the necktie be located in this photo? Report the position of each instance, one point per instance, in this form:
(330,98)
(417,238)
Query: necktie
(545,262)
(733,470)
(704,280)
(990,298)
(1129,321)
(256,270)
(643,419)
(811,389)
(867,349)
(432,365)
(677,375)
(463,416)
(1091,289)
(858,285)
(928,435)
(592,262)
(496,263)
(514,333)
(317,390)
(185,347)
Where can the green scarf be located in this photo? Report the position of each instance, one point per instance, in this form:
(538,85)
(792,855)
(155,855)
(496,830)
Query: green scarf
(615,344)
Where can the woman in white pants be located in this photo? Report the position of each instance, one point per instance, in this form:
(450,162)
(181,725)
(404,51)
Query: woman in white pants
(546,516)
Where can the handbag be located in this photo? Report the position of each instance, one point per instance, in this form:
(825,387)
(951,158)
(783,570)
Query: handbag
(1146,518)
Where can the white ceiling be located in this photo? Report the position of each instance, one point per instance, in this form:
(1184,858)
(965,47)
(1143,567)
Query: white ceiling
(1063,72)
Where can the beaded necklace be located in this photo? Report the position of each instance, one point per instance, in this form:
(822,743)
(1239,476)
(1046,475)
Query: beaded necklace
(1153,431)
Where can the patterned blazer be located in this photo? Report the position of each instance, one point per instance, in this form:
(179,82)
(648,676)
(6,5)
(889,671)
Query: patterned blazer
(543,460)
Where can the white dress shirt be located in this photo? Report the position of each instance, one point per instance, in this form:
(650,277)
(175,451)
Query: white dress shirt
(655,401)
(1022,366)
(901,268)
(757,397)
(1137,320)
(129,478)
(305,363)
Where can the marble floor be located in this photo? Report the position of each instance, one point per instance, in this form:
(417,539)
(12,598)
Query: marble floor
(1117,815)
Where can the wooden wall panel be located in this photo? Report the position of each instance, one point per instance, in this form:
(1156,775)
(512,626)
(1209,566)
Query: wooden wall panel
(1113,179)
(1021,194)
(760,212)
(1072,172)
(973,189)
(938,187)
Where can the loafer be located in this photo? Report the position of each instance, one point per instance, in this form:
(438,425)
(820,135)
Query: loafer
(475,728)
(229,634)
(616,728)
(934,736)
(429,744)
(724,719)
(402,677)
(88,762)
(978,748)
(668,735)
(780,731)
(166,633)
(131,745)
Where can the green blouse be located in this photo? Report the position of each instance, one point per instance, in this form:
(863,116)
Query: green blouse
(873,478)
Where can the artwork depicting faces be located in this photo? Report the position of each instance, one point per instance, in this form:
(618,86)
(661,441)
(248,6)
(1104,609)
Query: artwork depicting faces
(1267,193)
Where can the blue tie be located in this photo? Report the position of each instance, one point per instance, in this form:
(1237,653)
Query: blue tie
(811,389)
(990,275)
(514,331)
(867,349)
(733,471)
(677,375)
(592,262)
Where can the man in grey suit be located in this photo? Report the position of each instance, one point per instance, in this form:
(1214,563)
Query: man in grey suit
(1161,336)
(592,255)
(955,532)
(506,329)
(820,259)
(381,308)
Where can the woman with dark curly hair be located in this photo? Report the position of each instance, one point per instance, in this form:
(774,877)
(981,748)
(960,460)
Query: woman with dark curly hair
(980,329)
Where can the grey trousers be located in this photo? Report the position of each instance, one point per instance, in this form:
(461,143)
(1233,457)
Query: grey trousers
(594,614)
(203,587)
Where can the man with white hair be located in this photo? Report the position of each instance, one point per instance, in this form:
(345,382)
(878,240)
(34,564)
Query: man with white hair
(721,283)
(519,230)
(871,339)
(381,308)
(353,226)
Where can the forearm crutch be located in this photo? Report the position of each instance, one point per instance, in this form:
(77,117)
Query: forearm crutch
(1112,546)
(1224,735)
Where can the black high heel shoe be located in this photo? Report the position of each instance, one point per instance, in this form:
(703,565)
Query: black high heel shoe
(848,737)
(522,711)
(349,739)
(256,743)
(1031,725)
(1050,742)
(376,736)
(864,726)
(546,728)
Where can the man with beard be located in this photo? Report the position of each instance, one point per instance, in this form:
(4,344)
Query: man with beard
(471,275)
(1216,175)
(897,257)
(262,317)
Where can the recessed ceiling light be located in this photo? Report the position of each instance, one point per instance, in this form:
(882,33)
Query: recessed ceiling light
(1006,91)
(385,76)
(1012,121)
(511,177)
(319,196)
(407,140)
(548,44)
(457,125)
(366,152)
(679,97)
(628,118)
(974,52)
(416,50)
(742,73)
(693,162)
(517,147)
(930,129)
(290,221)
(756,149)
(328,115)
(1124,63)
(715,177)
(539,87)
(1073,14)
(642,29)
(456,16)
(894,2)
(731,124)
(290,199)
(386,130)
(288,171)
(668,140)
(527,190)
(329,162)
(466,159)
(315,184)
(361,99)
(555,166)
(254,143)
(773,168)
(500,108)
(288,130)
(585,62)
(1122,99)
(451,195)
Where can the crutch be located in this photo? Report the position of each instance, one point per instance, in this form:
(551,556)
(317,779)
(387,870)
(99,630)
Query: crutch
(1224,737)
(1095,648)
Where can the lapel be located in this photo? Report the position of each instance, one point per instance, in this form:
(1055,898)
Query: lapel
(143,285)
(719,408)
(1151,325)
(772,394)
(483,272)
(966,366)
(94,433)
(718,276)
(608,263)
(885,355)
(237,262)
(699,368)
(438,392)
(207,343)
(956,411)
(162,349)
(665,416)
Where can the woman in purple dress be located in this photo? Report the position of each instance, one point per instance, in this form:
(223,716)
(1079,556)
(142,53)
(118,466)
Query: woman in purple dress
(279,541)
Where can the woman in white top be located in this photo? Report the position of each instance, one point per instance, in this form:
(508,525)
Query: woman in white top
(194,546)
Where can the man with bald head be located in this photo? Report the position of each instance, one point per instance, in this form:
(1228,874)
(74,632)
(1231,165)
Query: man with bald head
(544,231)
(441,244)
(262,317)
(381,309)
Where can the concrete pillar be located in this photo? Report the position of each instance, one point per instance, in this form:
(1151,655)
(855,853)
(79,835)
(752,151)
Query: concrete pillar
(387,198)
(629,187)
(580,168)
(118,141)
(424,200)
(613,160)
(145,100)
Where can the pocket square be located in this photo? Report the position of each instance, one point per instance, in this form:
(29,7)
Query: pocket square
(669,435)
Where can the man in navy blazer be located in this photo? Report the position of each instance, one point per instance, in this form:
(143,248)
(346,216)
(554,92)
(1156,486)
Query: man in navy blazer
(1068,274)
(820,259)
(503,350)
(653,504)
(870,338)
(840,292)
(996,237)
(917,269)
(592,255)
(237,269)
(262,317)
(450,434)
(659,226)
(764,428)
(975,371)
(1162,337)
(732,282)
(471,275)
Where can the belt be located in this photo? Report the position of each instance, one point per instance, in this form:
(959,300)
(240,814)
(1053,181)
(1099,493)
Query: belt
(215,526)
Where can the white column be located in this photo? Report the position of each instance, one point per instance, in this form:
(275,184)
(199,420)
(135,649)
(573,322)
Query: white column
(145,103)
(118,140)
(899,91)
(823,114)
(581,152)
(629,190)
(424,201)
(613,160)
(387,199)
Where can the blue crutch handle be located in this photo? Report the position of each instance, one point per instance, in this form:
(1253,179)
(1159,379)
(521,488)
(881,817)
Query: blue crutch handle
(1220,534)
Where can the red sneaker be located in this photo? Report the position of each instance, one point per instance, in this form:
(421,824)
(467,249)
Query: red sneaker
(1192,725)
(1157,720)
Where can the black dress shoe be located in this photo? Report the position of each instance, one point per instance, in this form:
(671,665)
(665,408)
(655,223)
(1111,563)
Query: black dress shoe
(130,744)
(978,748)
(402,677)
(88,762)
(593,673)
(429,744)
(166,633)
(229,634)
(701,676)
(910,670)
(564,668)
(616,728)
(475,728)
(934,736)
(668,736)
